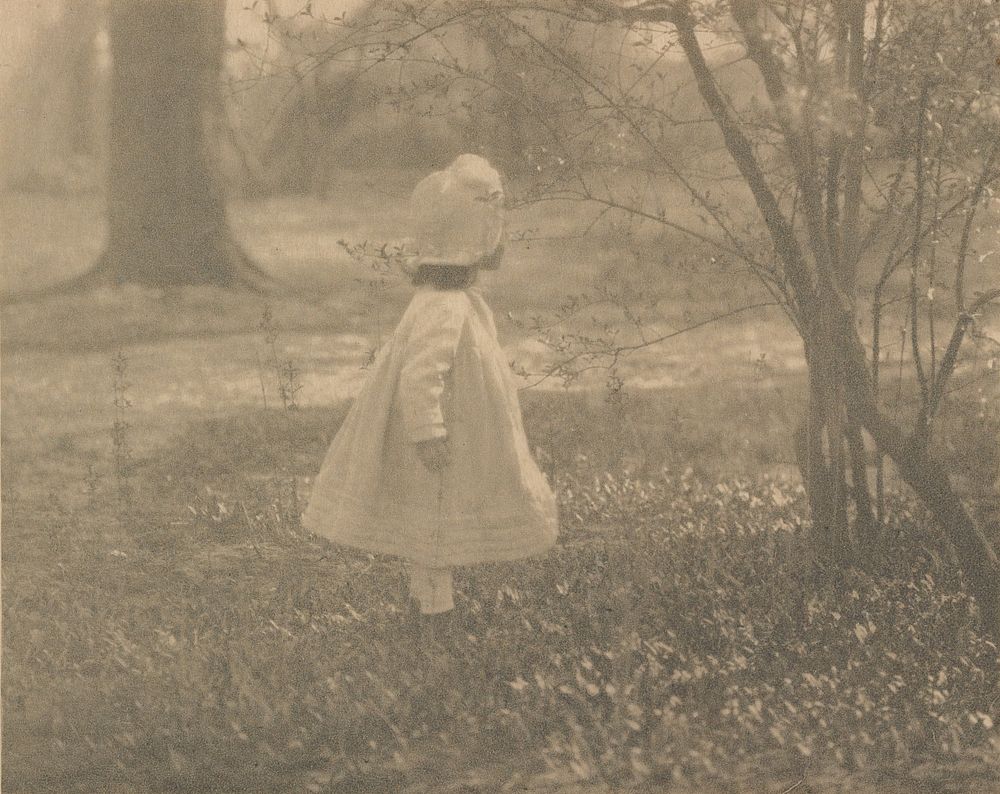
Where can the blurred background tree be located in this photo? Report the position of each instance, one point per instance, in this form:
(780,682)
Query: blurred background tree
(54,89)
(166,203)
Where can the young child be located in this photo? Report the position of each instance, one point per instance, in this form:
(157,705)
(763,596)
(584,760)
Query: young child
(431,463)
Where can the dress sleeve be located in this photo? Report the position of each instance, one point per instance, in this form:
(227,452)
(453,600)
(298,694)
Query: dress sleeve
(429,354)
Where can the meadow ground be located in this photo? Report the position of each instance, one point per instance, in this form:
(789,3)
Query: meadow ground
(168,626)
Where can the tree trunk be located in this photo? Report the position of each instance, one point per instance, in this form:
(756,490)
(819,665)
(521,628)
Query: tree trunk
(926,475)
(167,220)
(506,132)
(929,479)
(821,444)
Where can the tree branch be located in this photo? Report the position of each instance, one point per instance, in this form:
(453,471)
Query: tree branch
(950,360)
(741,150)
(922,423)
(800,145)
(854,168)
(985,177)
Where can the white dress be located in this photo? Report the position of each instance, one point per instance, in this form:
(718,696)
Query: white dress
(443,373)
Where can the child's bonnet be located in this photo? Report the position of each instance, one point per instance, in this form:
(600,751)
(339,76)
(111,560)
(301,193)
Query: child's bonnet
(457,215)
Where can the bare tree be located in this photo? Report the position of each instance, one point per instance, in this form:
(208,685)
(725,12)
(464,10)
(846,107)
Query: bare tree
(822,279)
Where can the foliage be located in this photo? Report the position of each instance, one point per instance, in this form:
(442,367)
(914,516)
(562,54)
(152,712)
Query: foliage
(670,637)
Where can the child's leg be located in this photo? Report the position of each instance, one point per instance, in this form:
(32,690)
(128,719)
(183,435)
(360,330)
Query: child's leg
(432,588)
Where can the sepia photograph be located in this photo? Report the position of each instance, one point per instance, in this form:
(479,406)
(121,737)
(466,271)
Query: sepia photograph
(459,396)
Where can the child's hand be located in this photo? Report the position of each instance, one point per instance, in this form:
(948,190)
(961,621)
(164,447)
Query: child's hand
(434,453)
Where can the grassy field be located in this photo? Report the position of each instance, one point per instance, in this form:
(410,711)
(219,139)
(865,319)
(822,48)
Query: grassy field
(169,627)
